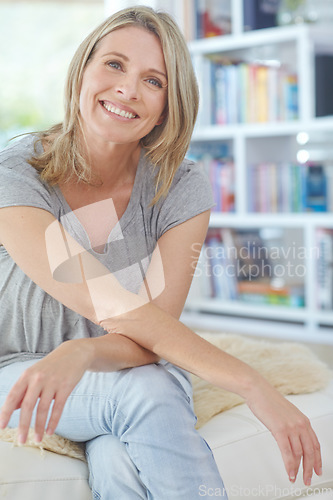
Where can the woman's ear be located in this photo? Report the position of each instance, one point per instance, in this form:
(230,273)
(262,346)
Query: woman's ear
(162,117)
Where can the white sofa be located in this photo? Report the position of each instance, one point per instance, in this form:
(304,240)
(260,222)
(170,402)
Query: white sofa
(247,456)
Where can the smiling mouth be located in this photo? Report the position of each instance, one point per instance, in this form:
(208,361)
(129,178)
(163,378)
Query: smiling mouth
(118,112)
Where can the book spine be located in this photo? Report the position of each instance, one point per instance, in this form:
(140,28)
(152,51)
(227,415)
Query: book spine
(220,94)
(253,93)
(325,269)
(289,187)
(262,114)
(230,263)
(215,259)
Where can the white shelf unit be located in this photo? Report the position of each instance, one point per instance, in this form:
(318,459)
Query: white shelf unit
(259,142)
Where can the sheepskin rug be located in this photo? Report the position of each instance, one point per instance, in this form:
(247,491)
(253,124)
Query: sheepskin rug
(291,368)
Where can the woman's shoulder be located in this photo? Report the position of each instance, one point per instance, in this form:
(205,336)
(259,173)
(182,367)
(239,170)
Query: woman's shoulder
(189,168)
(188,172)
(16,155)
(190,182)
(20,183)
(190,179)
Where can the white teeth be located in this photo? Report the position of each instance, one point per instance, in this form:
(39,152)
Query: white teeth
(117,111)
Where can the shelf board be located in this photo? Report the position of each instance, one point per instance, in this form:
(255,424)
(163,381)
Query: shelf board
(246,220)
(257,130)
(277,35)
(266,329)
(325,318)
(246,309)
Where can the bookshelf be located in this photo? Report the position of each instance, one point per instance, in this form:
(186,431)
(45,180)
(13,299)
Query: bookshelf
(300,139)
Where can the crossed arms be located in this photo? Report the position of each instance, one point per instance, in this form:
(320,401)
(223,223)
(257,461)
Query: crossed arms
(139,331)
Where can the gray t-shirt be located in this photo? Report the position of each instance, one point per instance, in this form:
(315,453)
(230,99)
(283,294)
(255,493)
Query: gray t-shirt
(32,323)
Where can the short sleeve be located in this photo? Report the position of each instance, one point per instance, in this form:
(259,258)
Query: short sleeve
(190,194)
(20,183)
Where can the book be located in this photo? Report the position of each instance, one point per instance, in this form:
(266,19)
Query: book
(244,265)
(316,189)
(221,267)
(230,262)
(259,14)
(329,186)
(213,18)
(214,158)
(272,93)
(247,92)
(251,254)
(216,266)
(291,103)
(324,84)
(220,93)
(290,187)
(262,114)
(324,269)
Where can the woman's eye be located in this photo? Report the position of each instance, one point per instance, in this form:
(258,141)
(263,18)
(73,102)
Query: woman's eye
(154,82)
(114,64)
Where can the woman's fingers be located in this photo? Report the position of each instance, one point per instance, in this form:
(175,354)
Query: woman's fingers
(34,389)
(290,460)
(59,403)
(12,403)
(311,455)
(45,386)
(318,467)
(299,443)
(27,407)
(291,429)
(43,409)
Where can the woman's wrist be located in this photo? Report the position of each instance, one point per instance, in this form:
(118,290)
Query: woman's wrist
(82,350)
(111,352)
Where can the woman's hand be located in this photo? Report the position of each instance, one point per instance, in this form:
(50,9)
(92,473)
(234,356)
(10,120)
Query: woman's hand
(50,380)
(291,429)
(173,341)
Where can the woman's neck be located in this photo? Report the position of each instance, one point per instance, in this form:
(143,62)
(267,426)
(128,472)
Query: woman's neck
(113,164)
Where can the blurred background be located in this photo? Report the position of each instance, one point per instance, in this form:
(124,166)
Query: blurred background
(264,135)
(38,40)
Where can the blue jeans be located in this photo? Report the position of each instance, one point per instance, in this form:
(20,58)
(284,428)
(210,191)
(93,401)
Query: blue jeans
(138,425)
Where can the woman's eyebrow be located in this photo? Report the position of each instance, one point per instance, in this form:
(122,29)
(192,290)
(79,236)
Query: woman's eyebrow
(118,54)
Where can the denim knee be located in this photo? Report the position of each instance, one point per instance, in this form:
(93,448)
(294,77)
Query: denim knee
(154,384)
(112,474)
(150,394)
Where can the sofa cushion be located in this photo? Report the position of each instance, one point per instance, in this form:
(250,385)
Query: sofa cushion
(248,457)
(29,474)
(246,454)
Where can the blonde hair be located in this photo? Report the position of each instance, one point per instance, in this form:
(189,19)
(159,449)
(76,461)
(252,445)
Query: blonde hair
(166,144)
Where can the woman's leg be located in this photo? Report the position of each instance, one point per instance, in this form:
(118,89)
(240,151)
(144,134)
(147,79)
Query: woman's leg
(107,457)
(147,409)
(112,473)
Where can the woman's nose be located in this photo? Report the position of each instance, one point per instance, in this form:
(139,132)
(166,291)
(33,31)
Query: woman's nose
(128,87)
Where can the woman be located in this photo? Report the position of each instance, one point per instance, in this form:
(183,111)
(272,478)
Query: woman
(98,217)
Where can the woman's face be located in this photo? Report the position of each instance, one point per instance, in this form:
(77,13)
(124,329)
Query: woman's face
(124,87)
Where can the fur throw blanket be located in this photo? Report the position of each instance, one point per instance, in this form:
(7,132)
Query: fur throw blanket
(291,368)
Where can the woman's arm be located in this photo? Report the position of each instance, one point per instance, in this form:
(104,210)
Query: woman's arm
(52,259)
(35,241)
(29,232)
(147,325)
(170,339)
